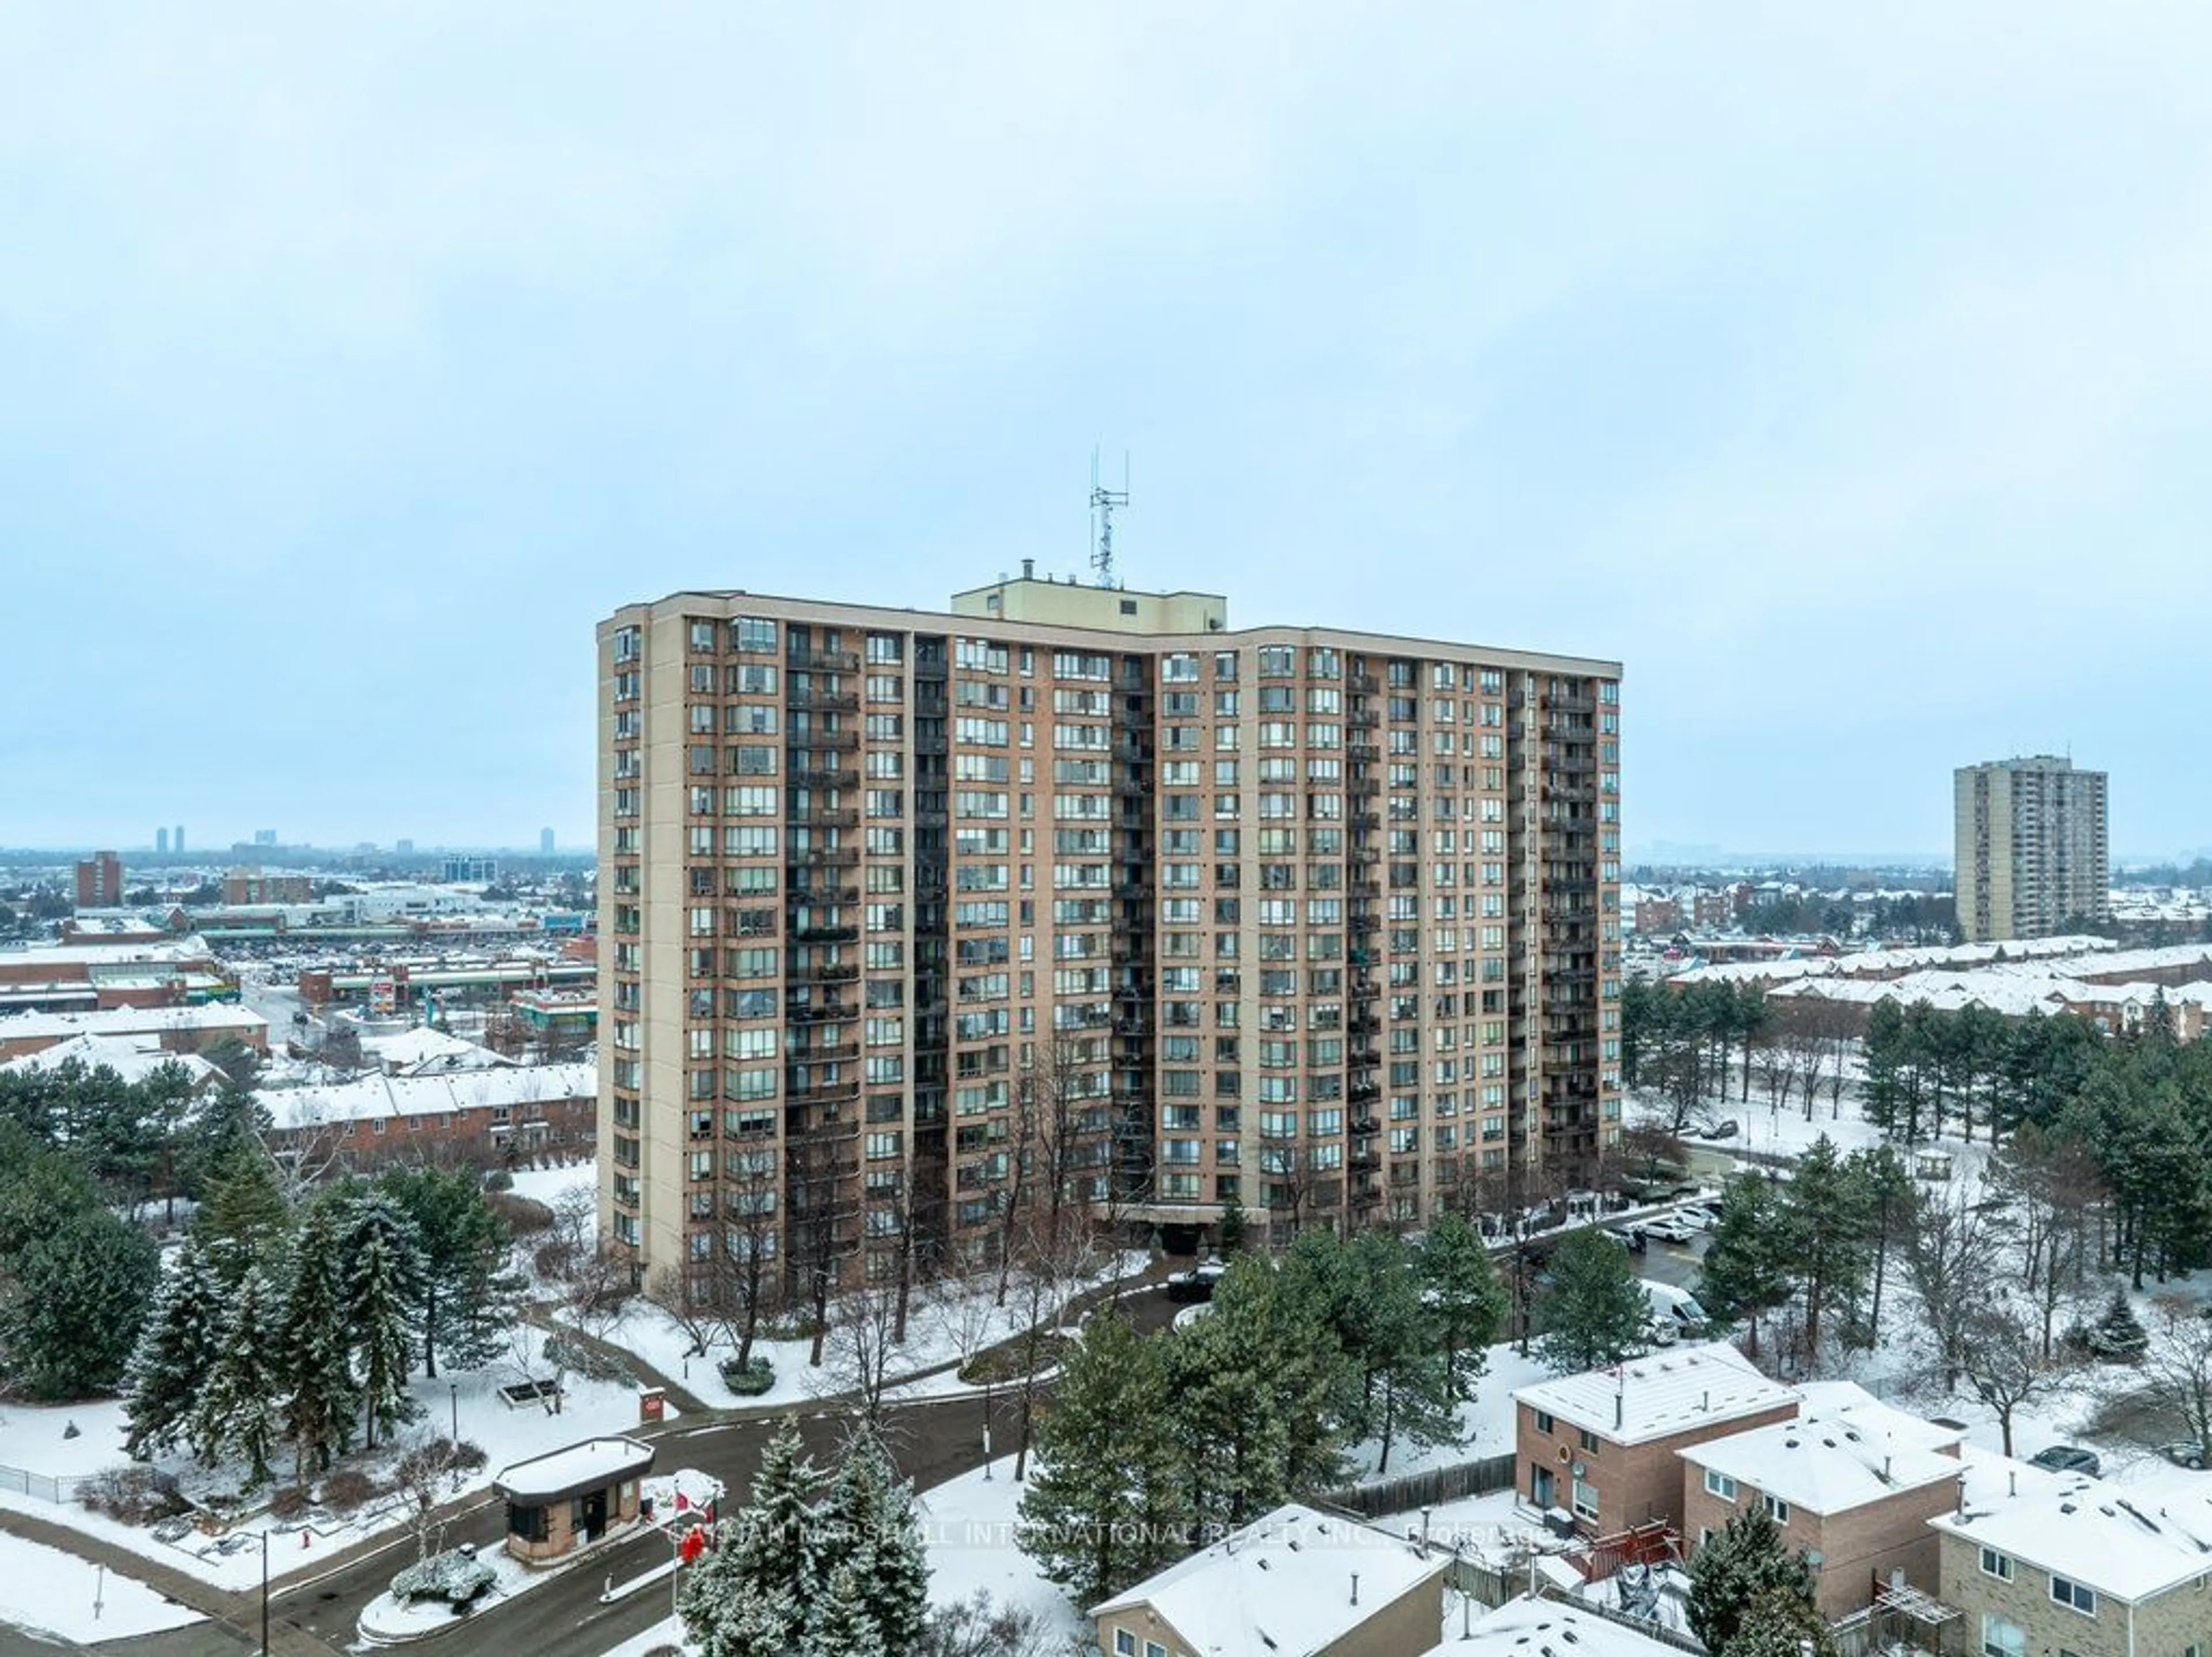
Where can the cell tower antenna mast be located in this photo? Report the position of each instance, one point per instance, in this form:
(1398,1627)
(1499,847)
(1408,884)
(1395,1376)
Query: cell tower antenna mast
(1103,502)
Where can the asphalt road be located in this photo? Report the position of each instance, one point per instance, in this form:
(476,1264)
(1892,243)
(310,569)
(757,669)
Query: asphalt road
(931,1443)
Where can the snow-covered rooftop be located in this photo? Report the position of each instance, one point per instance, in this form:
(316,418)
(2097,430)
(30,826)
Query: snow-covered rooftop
(419,1051)
(1547,1628)
(369,1097)
(132,1061)
(125,1020)
(174,951)
(591,1465)
(1281,1585)
(2130,1540)
(1829,1462)
(1667,1392)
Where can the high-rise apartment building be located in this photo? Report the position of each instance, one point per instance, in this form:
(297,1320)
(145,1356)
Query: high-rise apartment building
(2030,847)
(904,917)
(100,881)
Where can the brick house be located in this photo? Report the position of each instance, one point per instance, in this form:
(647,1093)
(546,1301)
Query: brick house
(2040,1562)
(1854,1487)
(1606,1445)
(1296,1579)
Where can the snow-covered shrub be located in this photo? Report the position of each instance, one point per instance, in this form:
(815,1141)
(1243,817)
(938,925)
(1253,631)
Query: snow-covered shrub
(748,1379)
(456,1577)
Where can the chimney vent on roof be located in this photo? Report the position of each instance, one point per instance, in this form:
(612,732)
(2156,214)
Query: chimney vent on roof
(1355,1587)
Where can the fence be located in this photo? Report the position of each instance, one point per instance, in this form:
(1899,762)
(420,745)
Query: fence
(44,1486)
(1430,1488)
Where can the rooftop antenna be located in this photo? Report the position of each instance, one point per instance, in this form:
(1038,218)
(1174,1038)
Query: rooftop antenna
(1103,502)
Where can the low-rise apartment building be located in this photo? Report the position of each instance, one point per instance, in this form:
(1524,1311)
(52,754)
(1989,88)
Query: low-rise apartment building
(2037,1563)
(1606,1446)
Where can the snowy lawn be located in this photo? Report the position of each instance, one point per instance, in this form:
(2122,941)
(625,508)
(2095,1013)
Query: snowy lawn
(1486,1423)
(969,1524)
(45,1591)
(33,1437)
(946,1323)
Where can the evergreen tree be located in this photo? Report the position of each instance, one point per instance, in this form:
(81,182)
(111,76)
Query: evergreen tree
(1595,1313)
(1463,1302)
(2118,1336)
(1405,1390)
(725,1617)
(468,1287)
(1783,1626)
(1093,1515)
(237,1409)
(869,1524)
(72,1314)
(243,1213)
(314,1362)
(384,1272)
(1744,1567)
(842,1623)
(1825,1213)
(1228,1439)
(776,1548)
(174,1354)
(1746,1269)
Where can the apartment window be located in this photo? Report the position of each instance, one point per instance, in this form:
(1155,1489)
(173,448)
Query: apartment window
(1777,1509)
(1997,1565)
(1720,1484)
(1585,1500)
(2002,1637)
(1587,1439)
(1543,1421)
(1125,1644)
(2077,1595)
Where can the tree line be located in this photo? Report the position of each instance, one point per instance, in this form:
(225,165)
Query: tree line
(1150,1445)
(294,1328)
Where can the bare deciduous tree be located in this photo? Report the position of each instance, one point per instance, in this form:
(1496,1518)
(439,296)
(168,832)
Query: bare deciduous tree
(1952,1253)
(2176,1367)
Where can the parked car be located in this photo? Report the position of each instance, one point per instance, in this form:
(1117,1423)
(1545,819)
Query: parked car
(1677,1307)
(2187,1453)
(1631,1238)
(2067,1459)
(1697,1217)
(1668,1229)
(1196,1283)
(1724,1129)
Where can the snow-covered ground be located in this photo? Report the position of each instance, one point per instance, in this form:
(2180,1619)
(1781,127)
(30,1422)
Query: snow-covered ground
(945,1324)
(1486,1423)
(45,1591)
(969,1524)
(33,1437)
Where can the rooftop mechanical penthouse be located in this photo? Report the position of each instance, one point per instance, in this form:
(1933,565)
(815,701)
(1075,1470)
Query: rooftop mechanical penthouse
(1073,895)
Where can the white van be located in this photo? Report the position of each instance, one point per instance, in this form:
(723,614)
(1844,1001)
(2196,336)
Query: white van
(1675,1310)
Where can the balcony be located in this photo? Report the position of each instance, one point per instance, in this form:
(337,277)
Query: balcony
(814,1013)
(811,742)
(828,972)
(837,816)
(819,778)
(1362,719)
(821,932)
(811,1093)
(834,701)
(823,661)
(823,897)
(826,857)
(841,1053)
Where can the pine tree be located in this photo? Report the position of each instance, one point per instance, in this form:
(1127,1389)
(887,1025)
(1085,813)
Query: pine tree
(1783,1626)
(237,1409)
(843,1625)
(243,1215)
(1744,1567)
(384,1270)
(725,1617)
(1100,1509)
(1826,1211)
(314,1364)
(869,1523)
(775,1547)
(1745,1272)
(175,1351)
(1595,1313)
(468,1289)
(1463,1303)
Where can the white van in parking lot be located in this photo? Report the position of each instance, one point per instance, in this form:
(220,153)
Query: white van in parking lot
(1675,1310)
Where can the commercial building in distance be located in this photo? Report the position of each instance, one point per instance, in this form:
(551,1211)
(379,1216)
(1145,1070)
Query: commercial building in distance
(2031,848)
(895,905)
(100,881)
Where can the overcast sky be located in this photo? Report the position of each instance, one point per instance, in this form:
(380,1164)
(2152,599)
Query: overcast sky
(1840,369)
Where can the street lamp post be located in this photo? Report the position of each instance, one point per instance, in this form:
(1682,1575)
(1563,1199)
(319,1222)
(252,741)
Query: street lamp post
(264,1591)
(453,1392)
(987,1421)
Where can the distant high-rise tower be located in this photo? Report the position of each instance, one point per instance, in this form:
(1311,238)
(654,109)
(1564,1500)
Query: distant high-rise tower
(160,843)
(100,881)
(545,841)
(177,841)
(2031,845)
(264,836)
